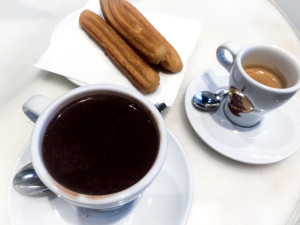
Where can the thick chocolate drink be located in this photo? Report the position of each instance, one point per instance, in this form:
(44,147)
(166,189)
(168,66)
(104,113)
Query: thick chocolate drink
(100,144)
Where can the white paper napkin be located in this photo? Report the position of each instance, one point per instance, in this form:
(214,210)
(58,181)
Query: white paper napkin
(73,54)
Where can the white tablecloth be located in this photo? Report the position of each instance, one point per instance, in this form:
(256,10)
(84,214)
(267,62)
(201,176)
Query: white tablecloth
(225,191)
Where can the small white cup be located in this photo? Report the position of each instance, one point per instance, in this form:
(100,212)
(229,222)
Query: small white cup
(255,99)
(40,109)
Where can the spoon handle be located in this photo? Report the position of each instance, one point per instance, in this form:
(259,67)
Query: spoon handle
(221,93)
(160,106)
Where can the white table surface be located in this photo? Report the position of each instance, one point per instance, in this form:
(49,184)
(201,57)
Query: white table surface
(225,191)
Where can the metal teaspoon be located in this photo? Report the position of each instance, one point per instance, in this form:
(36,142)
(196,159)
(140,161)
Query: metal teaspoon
(27,182)
(209,101)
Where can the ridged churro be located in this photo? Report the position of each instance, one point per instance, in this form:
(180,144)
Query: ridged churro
(134,67)
(141,34)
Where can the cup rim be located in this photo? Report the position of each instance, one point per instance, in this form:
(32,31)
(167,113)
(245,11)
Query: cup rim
(98,201)
(292,58)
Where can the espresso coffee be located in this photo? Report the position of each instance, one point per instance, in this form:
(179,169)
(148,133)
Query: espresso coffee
(100,144)
(265,75)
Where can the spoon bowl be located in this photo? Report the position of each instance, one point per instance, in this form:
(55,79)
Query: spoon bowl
(208,101)
(27,182)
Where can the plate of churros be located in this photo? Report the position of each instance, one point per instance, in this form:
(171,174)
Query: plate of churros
(123,43)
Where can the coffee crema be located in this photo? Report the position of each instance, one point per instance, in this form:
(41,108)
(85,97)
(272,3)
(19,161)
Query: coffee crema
(265,75)
(100,144)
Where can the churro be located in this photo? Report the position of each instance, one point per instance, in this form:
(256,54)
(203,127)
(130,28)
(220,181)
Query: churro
(144,77)
(140,34)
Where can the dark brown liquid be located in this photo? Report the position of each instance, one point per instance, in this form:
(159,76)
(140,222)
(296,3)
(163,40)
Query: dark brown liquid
(100,144)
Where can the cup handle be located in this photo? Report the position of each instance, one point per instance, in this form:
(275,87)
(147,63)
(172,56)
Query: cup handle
(35,105)
(226,54)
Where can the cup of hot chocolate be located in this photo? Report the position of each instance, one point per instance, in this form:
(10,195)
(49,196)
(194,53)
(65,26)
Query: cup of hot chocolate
(97,146)
(262,78)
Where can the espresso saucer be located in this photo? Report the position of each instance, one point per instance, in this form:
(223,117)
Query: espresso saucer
(274,139)
(167,201)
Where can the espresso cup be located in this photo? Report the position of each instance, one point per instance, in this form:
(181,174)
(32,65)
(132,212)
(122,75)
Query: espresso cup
(262,78)
(97,146)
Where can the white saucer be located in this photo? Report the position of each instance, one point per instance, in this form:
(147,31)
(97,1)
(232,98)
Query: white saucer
(167,201)
(274,139)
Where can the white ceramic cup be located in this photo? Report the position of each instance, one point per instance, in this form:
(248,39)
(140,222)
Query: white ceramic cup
(250,100)
(40,109)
